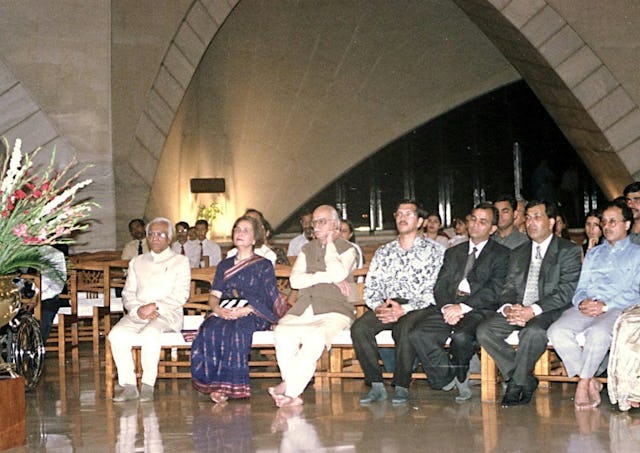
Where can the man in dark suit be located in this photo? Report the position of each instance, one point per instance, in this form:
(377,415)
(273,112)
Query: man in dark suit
(466,293)
(541,280)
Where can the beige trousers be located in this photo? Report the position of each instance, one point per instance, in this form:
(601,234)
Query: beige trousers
(300,341)
(124,335)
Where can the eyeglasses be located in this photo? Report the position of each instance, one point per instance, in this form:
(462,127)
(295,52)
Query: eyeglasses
(319,222)
(612,222)
(408,214)
(181,231)
(158,234)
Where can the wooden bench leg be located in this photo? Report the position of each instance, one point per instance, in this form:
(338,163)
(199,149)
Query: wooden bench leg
(108,370)
(543,368)
(61,341)
(489,378)
(335,365)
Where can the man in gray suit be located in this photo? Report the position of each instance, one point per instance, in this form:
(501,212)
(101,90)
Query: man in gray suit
(542,277)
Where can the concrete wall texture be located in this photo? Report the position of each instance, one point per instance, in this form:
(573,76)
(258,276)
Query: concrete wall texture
(281,97)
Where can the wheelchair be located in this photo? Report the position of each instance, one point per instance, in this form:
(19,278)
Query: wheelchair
(21,344)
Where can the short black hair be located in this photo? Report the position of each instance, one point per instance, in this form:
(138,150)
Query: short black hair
(510,198)
(183,224)
(633,187)
(419,209)
(134,221)
(627,213)
(489,207)
(550,208)
(202,222)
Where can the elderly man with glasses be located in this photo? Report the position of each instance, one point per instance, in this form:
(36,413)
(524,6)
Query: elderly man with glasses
(156,289)
(399,292)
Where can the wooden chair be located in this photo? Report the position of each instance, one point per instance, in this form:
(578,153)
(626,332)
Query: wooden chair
(114,277)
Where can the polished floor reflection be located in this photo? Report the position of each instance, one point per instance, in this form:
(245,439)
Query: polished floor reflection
(68,412)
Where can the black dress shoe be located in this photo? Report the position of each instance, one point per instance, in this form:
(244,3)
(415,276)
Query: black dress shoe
(528,390)
(512,396)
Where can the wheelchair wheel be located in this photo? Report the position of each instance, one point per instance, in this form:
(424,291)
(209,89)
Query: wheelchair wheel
(26,349)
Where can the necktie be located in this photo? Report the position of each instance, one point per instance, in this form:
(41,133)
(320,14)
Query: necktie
(139,247)
(181,249)
(471,258)
(201,253)
(531,290)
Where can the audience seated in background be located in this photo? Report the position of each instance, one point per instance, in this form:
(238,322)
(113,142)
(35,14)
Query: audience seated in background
(209,253)
(183,246)
(155,291)
(138,245)
(307,234)
(507,234)
(460,231)
(466,293)
(561,228)
(220,351)
(541,279)
(399,292)
(592,231)
(632,196)
(432,225)
(609,283)
(323,275)
(348,234)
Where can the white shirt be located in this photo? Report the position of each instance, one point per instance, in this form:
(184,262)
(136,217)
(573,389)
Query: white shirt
(210,249)
(191,251)
(262,251)
(52,286)
(295,246)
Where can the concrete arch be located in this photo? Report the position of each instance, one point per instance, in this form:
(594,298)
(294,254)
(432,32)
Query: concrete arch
(581,93)
(591,107)
(189,43)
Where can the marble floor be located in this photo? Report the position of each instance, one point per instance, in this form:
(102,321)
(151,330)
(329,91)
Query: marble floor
(68,412)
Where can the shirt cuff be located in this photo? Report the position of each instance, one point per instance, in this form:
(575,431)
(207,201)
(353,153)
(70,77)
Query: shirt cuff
(501,309)
(537,309)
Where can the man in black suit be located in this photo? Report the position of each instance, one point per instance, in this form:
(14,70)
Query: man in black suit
(541,280)
(466,293)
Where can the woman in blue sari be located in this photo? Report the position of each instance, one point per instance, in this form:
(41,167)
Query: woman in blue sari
(220,351)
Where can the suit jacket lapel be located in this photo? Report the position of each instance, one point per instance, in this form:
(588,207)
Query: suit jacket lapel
(550,258)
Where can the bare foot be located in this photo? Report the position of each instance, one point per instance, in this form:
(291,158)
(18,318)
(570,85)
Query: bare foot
(277,392)
(218,397)
(581,399)
(288,401)
(595,387)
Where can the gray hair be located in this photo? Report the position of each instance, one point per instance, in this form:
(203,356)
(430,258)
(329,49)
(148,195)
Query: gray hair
(167,222)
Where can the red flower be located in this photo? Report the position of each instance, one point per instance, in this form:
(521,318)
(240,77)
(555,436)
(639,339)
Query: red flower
(20,194)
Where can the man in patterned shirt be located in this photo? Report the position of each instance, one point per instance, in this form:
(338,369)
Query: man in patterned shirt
(399,292)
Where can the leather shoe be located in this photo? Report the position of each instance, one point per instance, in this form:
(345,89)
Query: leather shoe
(528,390)
(512,396)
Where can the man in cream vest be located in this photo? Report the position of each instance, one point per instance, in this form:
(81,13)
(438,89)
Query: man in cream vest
(156,289)
(323,275)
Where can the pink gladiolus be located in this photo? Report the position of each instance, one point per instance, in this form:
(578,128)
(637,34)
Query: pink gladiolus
(20,230)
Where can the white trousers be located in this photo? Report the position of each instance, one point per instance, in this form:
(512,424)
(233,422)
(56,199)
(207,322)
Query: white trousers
(124,335)
(300,341)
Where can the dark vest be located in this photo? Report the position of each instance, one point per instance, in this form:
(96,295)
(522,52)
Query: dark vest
(323,297)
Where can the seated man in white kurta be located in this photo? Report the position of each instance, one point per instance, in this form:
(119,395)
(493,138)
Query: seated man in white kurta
(156,289)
